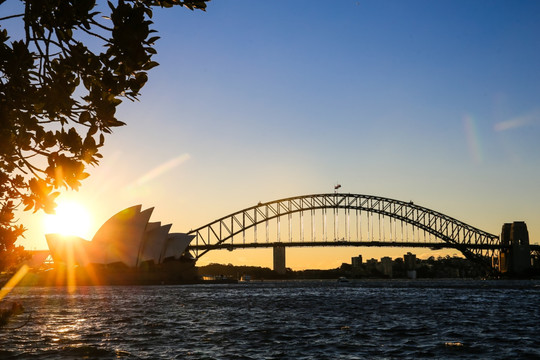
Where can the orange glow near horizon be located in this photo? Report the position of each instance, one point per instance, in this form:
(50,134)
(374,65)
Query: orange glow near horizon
(71,218)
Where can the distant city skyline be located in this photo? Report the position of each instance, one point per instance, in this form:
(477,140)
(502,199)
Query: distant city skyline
(434,102)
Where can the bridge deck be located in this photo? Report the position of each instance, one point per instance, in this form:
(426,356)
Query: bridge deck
(439,245)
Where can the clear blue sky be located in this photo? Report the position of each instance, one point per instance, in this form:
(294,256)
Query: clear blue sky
(432,101)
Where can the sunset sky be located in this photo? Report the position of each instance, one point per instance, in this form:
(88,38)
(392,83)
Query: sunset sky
(432,101)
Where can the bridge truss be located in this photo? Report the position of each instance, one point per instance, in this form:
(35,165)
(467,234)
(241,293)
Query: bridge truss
(337,219)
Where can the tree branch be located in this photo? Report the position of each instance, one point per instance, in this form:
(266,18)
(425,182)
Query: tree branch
(11,17)
(93,34)
(94,22)
(26,25)
(33,169)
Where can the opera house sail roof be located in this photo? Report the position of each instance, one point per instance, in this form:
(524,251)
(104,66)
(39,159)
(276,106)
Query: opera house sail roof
(128,237)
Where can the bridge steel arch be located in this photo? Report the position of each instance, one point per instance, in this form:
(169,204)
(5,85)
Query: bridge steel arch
(475,244)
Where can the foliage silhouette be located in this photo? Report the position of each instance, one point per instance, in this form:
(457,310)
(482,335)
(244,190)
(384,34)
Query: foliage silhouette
(58,95)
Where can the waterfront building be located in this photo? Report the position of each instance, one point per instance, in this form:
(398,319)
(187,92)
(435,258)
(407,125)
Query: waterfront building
(409,261)
(386,266)
(356,261)
(371,264)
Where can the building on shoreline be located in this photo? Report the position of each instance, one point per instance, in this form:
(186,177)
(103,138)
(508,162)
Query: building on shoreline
(409,260)
(409,266)
(356,261)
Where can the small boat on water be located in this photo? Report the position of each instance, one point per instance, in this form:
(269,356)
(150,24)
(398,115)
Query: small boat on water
(342,279)
(245,278)
(219,279)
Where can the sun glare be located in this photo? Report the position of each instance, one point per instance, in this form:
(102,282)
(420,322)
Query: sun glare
(71,218)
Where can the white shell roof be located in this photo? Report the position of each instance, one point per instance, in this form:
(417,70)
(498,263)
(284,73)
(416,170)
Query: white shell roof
(127,237)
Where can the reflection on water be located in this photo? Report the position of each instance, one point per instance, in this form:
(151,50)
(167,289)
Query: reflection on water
(277,320)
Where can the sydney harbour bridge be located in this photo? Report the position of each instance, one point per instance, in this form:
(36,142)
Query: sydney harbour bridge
(339,219)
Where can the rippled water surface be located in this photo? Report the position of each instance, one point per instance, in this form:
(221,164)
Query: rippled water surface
(279,320)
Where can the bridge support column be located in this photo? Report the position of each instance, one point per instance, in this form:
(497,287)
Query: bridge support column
(279,260)
(517,258)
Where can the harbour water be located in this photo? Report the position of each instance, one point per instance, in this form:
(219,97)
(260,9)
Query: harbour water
(394,319)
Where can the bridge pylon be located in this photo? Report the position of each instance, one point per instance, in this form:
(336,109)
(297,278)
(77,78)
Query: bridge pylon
(279,259)
(515,256)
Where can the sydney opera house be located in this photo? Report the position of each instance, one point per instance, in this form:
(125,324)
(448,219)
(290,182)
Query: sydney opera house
(128,248)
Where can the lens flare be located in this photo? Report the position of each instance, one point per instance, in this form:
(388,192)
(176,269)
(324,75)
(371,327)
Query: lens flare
(71,218)
(472,139)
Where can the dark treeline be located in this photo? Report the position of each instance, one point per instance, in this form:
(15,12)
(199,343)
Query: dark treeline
(441,267)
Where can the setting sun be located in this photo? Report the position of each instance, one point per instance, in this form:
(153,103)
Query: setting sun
(71,218)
